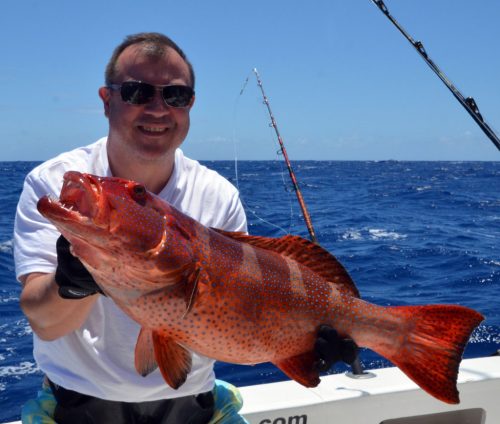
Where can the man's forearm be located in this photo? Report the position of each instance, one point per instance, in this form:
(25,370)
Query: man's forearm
(49,315)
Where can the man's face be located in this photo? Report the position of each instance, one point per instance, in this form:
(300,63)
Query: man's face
(153,130)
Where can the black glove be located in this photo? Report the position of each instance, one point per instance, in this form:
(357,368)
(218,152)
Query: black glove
(73,279)
(330,348)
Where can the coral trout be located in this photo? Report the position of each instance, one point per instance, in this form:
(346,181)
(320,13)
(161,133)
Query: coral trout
(238,298)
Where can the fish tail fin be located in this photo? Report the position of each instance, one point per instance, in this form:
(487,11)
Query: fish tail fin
(432,348)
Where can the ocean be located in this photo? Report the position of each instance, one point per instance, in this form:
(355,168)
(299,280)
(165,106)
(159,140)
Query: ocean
(407,232)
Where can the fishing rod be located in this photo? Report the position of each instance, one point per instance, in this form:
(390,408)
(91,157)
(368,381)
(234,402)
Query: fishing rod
(357,368)
(302,204)
(468,103)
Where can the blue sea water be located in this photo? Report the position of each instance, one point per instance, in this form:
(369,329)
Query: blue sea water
(408,233)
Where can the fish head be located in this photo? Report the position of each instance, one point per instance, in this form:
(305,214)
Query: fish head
(106,212)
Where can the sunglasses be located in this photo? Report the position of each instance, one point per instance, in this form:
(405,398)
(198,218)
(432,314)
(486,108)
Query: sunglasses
(140,93)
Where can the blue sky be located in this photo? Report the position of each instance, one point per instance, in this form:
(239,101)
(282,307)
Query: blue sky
(342,81)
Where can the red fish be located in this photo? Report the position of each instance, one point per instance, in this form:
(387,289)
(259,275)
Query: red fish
(238,298)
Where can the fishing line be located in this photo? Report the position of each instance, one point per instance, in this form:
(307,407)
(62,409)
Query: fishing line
(286,185)
(249,208)
(280,161)
(235,150)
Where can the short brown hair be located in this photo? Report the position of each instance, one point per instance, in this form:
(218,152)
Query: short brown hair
(154,44)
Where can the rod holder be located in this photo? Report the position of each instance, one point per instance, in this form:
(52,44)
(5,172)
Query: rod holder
(357,371)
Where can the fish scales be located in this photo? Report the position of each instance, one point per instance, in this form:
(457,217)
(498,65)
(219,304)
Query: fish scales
(240,272)
(239,298)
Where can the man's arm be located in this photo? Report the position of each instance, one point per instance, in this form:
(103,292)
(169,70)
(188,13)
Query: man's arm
(49,315)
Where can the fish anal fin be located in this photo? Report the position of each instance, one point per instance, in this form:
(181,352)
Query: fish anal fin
(305,252)
(301,368)
(145,362)
(173,360)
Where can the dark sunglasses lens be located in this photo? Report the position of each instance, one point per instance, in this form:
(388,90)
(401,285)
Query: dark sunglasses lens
(178,95)
(137,93)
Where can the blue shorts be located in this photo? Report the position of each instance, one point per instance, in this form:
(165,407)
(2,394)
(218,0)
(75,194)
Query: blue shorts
(227,399)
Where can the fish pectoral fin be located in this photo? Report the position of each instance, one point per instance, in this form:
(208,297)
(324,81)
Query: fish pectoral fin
(179,274)
(304,252)
(161,280)
(301,368)
(173,360)
(145,362)
(191,289)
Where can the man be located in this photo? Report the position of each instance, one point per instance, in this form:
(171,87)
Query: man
(82,341)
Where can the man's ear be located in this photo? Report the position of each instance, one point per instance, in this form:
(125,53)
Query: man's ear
(192,102)
(105,95)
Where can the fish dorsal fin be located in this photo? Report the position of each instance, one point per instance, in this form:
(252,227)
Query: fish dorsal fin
(304,252)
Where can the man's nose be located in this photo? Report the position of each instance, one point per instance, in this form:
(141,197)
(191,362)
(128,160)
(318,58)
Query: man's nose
(157,105)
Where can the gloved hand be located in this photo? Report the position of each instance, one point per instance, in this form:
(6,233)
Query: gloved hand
(73,279)
(330,348)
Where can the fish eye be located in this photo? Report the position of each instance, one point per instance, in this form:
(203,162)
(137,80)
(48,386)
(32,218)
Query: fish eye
(138,192)
(139,189)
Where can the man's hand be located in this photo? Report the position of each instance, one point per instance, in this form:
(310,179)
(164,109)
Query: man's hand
(330,348)
(73,279)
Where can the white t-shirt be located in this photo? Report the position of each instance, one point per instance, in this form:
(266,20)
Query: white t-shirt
(98,358)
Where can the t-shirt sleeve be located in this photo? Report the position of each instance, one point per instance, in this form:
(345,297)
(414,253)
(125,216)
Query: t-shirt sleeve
(34,236)
(236,219)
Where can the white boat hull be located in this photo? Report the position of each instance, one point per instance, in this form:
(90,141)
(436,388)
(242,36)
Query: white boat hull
(389,398)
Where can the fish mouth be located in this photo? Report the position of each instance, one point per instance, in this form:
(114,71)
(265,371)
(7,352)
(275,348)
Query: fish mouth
(78,201)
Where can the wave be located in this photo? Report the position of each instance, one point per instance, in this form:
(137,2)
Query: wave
(376,233)
(18,329)
(424,188)
(486,334)
(7,246)
(10,299)
(24,368)
(352,235)
(372,234)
